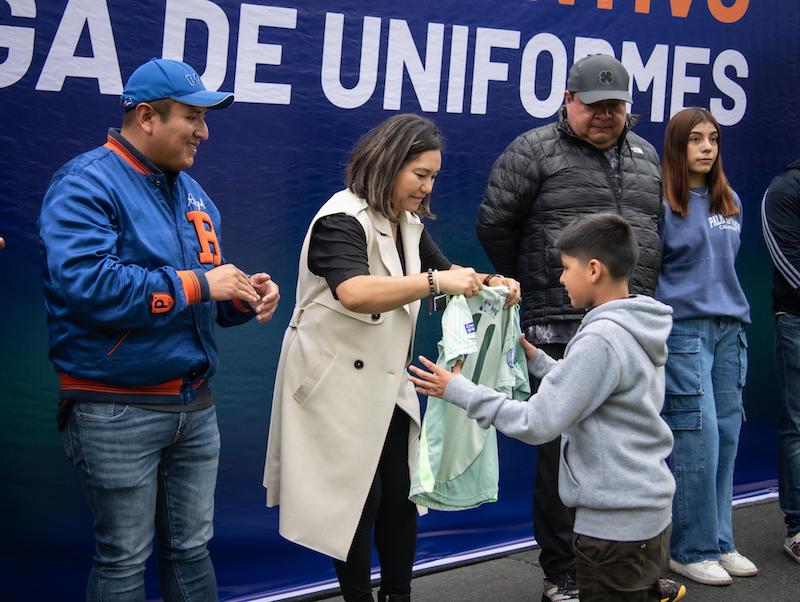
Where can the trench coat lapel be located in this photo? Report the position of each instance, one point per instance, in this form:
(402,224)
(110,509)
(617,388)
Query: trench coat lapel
(386,245)
(410,233)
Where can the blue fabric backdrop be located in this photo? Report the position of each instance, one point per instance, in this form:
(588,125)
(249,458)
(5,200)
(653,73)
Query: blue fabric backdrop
(310,77)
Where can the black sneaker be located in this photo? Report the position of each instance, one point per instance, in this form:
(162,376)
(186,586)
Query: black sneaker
(567,591)
(671,591)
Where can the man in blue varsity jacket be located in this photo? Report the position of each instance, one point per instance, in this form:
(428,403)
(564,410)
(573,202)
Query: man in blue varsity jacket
(134,281)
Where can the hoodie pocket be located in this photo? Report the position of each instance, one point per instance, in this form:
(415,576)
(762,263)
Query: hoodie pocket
(568,485)
(683,370)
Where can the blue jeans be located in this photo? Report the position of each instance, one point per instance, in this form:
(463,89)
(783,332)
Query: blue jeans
(144,471)
(787,355)
(705,373)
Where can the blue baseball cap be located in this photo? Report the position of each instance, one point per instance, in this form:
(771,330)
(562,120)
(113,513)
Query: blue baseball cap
(165,78)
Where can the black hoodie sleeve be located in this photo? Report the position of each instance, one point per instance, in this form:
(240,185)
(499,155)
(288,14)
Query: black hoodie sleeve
(780,223)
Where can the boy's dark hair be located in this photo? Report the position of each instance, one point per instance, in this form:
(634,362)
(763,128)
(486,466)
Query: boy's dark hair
(605,237)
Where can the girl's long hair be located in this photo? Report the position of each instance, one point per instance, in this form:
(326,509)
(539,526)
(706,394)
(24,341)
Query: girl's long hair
(675,166)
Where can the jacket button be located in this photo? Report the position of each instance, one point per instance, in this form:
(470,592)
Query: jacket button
(376,317)
(358,364)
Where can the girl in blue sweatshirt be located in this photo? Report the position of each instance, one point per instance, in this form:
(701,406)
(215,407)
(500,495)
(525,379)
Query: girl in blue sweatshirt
(707,362)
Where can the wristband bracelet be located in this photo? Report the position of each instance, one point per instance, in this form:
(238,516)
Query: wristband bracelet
(431,290)
(489,277)
(436,282)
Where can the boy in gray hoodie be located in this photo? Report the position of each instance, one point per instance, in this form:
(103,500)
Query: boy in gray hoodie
(604,399)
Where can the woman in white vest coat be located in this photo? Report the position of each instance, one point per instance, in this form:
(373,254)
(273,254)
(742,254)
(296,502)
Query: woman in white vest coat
(345,420)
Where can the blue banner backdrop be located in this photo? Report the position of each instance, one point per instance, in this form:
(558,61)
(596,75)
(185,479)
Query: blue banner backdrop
(310,77)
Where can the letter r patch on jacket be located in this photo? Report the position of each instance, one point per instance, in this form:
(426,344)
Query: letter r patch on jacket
(161,303)
(206,236)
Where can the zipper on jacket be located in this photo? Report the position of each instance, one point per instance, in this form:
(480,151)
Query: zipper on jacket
(617,190)
(179,216)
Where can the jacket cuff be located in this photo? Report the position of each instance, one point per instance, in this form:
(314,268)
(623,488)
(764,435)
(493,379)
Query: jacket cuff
(195,286)
(205,290)
(459,391)
(540,364)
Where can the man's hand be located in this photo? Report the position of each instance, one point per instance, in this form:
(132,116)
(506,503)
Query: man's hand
(228,282)
(432,383)
(514,291)
(529,348)
(269,294)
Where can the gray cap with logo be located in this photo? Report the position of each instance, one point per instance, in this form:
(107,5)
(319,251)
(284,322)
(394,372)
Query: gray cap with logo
(599,77)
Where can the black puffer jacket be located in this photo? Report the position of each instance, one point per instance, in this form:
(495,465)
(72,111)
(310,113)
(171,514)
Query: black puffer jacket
(545,179)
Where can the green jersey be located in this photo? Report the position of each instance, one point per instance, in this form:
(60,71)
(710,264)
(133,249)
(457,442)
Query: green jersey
(456,465)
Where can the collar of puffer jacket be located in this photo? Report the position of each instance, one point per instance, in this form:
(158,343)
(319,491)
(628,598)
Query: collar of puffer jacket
(630,122)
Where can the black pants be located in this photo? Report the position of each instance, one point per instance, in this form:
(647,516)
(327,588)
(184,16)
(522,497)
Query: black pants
(552,520)
(393,518)
(620,571)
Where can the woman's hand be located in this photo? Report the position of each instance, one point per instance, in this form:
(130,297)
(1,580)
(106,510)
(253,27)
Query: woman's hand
(460,281)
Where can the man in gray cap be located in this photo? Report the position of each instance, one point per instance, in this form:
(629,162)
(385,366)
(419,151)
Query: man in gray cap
(135,281)
(588,161)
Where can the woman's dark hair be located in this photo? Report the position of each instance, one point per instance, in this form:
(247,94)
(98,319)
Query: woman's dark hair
(381,152)
(676,167)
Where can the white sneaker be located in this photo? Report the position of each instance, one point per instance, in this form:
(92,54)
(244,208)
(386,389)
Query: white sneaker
(792,546)
(737,565)
(708,572)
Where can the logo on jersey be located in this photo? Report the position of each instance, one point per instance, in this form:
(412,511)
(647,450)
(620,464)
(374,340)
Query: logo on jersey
(511,359)
(490,308)
(469,327)
(194,203)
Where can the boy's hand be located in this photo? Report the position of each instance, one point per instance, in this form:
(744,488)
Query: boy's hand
(529,349)
(432,383)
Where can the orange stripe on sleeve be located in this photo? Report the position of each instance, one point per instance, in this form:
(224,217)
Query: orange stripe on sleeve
(191,286)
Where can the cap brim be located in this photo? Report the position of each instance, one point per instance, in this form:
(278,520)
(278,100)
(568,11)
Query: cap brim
(206,99)
(594,96)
